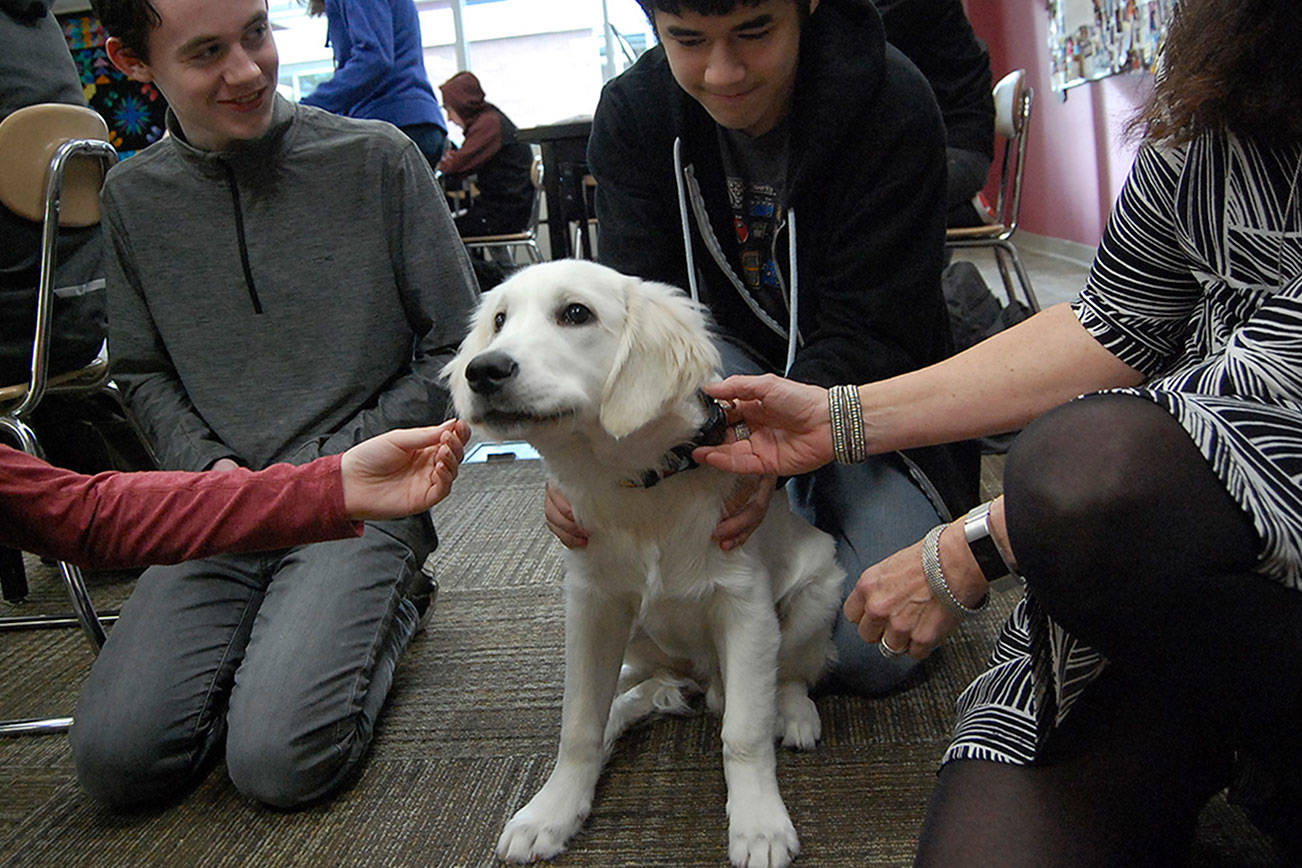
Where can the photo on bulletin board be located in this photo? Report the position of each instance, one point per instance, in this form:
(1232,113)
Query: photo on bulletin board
(1092,39)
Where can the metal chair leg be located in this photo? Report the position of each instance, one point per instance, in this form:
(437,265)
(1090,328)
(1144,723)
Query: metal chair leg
(83,614)
(1022,277)
(1010,291)
(36,726)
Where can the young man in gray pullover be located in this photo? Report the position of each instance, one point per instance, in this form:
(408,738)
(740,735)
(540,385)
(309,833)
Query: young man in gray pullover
(282,283)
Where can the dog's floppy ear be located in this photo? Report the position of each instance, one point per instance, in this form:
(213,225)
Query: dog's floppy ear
(664,353)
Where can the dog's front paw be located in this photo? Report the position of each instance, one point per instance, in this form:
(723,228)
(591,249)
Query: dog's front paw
(763,845)
(798,724)
(536,833)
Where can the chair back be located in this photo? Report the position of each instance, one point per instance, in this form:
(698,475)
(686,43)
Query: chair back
(29,139)
(1013,98)
(53,158)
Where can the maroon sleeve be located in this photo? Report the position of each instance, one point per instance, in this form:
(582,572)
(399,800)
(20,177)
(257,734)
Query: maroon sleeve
(483,140)
(115,519)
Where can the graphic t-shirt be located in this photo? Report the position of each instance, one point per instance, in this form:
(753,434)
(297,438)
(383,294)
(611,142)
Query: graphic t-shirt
(755,168)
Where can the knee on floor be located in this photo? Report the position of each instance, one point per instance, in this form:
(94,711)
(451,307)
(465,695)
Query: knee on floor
(128,767)
(289,769)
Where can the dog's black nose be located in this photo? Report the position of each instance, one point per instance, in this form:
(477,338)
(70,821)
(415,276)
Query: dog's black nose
(488,371)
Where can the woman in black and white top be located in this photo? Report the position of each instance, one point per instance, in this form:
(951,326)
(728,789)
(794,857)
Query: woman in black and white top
(1157,521)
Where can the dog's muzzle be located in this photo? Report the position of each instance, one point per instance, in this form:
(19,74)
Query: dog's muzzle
(487,372)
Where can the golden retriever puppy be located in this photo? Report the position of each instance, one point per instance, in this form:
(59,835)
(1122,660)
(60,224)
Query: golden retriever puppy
(602,374)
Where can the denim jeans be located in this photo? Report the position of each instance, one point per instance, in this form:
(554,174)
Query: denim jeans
(283,657)
(872,510)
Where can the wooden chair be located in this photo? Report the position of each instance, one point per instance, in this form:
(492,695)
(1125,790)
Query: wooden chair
(53,158)
(1013,98)
(526,239)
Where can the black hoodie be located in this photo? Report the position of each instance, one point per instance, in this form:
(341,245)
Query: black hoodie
(866,177)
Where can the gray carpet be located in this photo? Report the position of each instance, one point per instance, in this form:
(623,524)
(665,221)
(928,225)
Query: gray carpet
(470,732)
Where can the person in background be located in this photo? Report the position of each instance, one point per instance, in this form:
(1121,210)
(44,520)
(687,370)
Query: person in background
(35,68)
(380,69)
(114,520)
(803,160)
(937,36)
(491,151)
(1156,655)
(283,283)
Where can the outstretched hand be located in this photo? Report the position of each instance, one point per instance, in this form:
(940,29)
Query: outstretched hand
(790,427)
(402,472)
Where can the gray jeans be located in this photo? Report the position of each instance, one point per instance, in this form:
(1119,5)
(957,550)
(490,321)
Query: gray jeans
(283,657)
(872,510)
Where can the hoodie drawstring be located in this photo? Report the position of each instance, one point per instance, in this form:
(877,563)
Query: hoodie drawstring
(239,229)
(682,216)
(793,330)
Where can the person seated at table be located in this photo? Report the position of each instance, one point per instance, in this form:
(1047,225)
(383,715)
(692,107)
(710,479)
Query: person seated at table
(1157,521)
(491,151)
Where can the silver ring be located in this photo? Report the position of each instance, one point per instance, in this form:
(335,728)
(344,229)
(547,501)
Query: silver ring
(887,651)
(741,430)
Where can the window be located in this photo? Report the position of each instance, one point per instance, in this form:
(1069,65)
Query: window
(539,60)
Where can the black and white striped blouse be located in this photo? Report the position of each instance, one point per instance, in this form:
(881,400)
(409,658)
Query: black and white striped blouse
(1198,285)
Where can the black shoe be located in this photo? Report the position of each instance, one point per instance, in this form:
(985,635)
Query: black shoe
(422,589)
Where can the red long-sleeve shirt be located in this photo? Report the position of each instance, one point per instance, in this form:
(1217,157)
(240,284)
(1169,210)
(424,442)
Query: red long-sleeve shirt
(113,520)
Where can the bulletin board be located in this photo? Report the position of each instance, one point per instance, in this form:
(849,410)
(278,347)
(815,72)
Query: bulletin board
(1092,39)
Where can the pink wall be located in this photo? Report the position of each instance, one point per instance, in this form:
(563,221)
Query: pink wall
(1077,155)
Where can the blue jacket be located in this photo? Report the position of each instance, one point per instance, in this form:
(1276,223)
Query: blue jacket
(379,64)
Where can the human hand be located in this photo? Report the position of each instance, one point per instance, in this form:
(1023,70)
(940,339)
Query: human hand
(789,422)
(402,472)
(892,602)
(221,465)
(561,521)
(744,509)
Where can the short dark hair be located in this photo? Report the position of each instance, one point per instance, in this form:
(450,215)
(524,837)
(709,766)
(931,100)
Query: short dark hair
(128,20)
(705,7)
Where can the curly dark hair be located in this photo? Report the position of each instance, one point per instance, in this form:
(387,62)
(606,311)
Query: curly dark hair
(705,7)
(128,20)
(1228,64)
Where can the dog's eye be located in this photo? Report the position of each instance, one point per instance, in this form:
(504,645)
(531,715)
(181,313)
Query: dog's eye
(499,320)
(575,314)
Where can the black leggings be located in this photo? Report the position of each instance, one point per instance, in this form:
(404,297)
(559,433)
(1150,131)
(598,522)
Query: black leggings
(1130,541)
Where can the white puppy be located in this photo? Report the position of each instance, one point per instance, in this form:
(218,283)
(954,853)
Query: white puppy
(601,373)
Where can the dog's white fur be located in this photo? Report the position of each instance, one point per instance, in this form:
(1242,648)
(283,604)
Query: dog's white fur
(599,372)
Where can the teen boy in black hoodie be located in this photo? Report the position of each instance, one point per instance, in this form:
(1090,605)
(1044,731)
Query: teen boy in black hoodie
(808,158)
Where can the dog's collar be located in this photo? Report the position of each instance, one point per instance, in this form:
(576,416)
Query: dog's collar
(679,458)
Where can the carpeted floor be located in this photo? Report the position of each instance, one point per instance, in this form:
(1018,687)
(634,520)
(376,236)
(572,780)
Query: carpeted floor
(470,733)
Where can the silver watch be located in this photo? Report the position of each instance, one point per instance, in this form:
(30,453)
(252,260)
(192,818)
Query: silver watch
(994,562)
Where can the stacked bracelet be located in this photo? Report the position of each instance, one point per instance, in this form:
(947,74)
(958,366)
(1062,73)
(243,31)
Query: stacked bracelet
(849,445)
(936,577)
